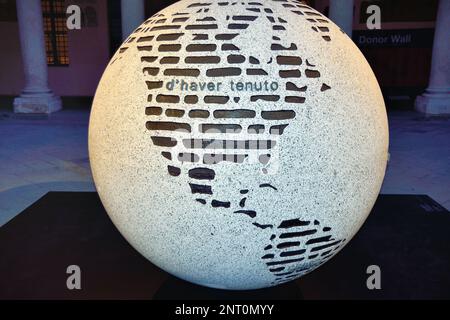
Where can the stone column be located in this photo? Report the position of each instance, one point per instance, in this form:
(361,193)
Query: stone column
(341,13)
(133,14)
(436,98)
(36,97)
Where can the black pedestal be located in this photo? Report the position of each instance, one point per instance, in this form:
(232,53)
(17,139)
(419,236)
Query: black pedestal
(176,289)
(408,237)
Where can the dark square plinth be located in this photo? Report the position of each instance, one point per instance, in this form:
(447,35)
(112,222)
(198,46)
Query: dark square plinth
(407,236)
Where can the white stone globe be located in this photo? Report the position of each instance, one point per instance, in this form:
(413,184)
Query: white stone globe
(238,144)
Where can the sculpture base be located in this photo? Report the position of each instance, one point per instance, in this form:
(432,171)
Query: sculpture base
(37,104)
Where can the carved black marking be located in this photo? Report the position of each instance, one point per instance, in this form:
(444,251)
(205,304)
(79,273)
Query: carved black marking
(236,58)
(263,226)
(154,84)
(278,129)
(199,114)
(202,59)
(294,99)
(174,113)
(278,47)
(216,99)
(148,59)
(265,98)
(169,37)
(289,60)
(174,171)
(150,71)
(278,115)
(153,111)
(226,36)
(253,60)
(297,234)
(292,253)
(165,27)
(191,100)
(169,48)
(168,126)
(202,174)
(164,141)
(201,47)
(220,204)
(256,72)
(223,72)
(234,114)
(290,73)
(220,127)
(289,244)
(177,20)
(166,155)
(145,39)
(140,48)
(206,19)
(201,189)
(286,224)
(325,246)
(229,47)
(234,26)
(244,18)
(274,263)
(182,72)
(169,60)
(250,213)
(312,73)
(255,129)
(292,87)
(199,4)
(267,185)
(320,239)
(199,36)
(163,98)
(201,27)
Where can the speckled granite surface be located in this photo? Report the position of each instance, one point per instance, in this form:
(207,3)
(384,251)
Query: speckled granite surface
(282,192)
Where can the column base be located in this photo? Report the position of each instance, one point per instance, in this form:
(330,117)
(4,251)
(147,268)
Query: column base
(433,104)
(37,104)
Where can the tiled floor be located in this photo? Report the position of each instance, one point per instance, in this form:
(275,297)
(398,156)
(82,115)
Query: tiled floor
(41,155)
(419,156)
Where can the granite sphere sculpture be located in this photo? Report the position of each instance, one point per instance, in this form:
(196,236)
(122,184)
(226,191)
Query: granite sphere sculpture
(238,144)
